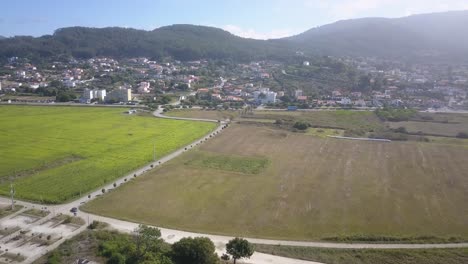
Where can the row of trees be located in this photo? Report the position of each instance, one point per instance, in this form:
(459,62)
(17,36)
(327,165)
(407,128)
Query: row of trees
(146,246)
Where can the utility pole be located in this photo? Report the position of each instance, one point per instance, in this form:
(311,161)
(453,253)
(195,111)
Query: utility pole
(12,195)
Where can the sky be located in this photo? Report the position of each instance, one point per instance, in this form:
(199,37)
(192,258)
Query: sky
(260,19)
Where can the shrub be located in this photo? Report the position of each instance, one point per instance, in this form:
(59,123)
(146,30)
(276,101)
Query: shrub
(300,125)
(401,130)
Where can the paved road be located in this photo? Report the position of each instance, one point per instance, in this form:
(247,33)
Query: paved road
(172,235)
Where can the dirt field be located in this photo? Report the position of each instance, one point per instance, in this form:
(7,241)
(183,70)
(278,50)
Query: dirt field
(313,188)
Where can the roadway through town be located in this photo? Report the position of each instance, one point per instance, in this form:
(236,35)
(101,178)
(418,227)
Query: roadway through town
(172,235)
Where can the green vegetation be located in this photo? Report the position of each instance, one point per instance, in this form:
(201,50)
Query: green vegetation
(362,121)
(163,42)
(239,248)
(247,165)
(368,256)
(194,250)
(301,125)
(144,245)
(6,210)
(59,153)
(313,189)
(395,114)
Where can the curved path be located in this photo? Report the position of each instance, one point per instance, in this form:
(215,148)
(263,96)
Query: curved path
(172,235)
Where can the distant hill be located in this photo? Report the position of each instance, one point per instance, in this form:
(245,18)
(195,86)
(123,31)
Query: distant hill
(438,35)
(2,37)
(430,37)
(183,42)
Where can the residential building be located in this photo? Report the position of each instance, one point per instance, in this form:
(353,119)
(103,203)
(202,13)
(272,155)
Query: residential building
(100,94)
(144,87)
(264,96)
(297,93)
(121,94)
(87,96)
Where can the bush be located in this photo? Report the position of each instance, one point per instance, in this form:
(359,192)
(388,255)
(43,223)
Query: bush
(401,130)
(116,258)
(300,125)
(279,122)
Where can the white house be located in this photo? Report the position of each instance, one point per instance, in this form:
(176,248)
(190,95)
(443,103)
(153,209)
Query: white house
(99,94)
(264,96)
(121,94)
(144,87)
(297,93)
(306,63)
(87,96)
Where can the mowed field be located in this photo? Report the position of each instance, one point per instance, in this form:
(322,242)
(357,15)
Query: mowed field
(311,188)
(57,153)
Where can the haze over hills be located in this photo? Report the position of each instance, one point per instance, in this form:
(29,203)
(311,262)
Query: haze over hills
(438,36)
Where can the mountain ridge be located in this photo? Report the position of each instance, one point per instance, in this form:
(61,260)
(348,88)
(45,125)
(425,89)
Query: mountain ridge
(437,36)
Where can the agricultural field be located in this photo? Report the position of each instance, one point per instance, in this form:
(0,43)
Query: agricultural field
(342,119)
(303,187)
(55,154)
(369,256)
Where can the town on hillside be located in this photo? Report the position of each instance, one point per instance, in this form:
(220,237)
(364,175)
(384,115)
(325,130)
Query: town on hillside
(302,83)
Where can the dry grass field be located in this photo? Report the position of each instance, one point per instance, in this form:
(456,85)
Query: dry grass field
(313,188)
(442,124)
(431,128)
(206,114)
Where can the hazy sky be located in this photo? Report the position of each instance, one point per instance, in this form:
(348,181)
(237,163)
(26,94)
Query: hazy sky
(248,18)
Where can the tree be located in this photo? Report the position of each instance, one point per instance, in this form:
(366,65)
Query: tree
(239,248)
(146,239)
(198,250)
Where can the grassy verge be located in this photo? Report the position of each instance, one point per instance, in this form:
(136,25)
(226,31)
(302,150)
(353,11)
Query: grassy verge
(7,210)
(368,256)
(37,212)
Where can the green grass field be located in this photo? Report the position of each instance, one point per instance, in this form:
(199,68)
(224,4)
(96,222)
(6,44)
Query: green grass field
(312,189)
(369,256)
(57,153)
